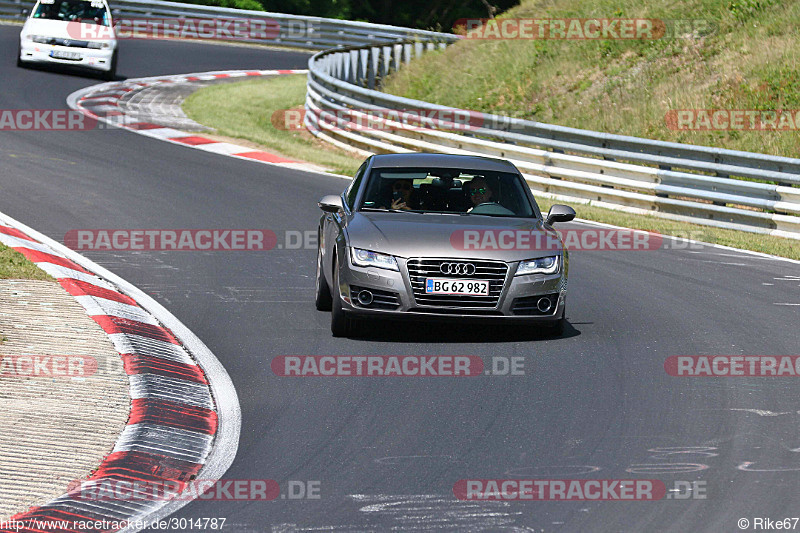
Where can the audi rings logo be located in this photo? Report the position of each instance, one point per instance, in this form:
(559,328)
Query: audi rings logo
(459,269)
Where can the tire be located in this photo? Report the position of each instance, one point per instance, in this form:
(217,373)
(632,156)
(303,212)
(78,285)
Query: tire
(19,58)
(341,324)
(556,329)
(111,75)
(322,297)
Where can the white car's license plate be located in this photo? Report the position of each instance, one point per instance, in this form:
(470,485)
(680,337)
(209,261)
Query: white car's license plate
(60,54)
(462,287)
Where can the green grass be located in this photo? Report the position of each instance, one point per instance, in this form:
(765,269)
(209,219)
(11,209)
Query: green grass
(244,110)
(14,265)
(747,60)
(737,239)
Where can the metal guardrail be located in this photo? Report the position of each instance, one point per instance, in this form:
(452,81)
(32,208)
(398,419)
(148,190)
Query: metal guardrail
(313,33)
(709,186)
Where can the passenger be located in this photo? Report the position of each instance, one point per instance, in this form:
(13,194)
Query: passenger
(479,191)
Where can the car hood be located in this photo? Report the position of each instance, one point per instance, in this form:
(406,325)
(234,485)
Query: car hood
(62,29)
(464,237)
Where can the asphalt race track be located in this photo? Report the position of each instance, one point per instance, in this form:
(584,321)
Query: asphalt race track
(386,452)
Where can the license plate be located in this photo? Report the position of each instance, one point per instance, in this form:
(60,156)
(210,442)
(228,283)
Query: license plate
(463,287)
(60,54)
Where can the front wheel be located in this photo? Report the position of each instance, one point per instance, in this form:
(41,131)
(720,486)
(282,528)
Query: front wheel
(111,75)
(341,324)
(322,298)
(556,329)
(19,57)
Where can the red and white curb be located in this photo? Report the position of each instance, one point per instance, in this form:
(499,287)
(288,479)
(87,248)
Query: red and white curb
(185,418)
(101,102)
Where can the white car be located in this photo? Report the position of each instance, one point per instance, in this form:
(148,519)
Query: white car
(79,33)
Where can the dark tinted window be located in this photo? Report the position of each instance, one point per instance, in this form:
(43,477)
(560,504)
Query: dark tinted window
(441,190)
(352,190)
(86,11)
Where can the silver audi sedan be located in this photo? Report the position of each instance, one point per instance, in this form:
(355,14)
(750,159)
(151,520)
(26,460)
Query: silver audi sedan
(440,236)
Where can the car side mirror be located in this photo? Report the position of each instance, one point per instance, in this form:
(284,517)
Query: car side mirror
(24,12)
(331,203)
(560,213)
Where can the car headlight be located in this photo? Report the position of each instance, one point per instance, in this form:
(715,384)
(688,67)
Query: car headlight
(98,46)
(543,265)
(365,258)
(39,39)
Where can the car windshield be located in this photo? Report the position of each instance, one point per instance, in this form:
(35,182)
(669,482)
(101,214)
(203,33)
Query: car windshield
(454,191)
(90,12)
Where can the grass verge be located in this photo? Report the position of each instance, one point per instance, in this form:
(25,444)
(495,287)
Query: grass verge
(14,265)
(244,110)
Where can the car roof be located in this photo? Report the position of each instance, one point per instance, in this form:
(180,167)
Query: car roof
(473,162)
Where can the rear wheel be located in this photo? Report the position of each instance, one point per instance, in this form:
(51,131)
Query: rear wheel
(322,298)
(341,324)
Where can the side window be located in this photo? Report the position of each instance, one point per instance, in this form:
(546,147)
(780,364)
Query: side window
(352,190)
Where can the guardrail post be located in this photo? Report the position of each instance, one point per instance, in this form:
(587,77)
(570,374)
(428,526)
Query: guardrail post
(386,64)
(353,67)
(407,53)
(661,167)
(364,67)
(397,53)
(374,57)
(345,73)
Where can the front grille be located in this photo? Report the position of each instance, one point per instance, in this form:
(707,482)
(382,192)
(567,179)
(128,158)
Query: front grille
(380,299)
(453,311)
(65,42)
(420,269)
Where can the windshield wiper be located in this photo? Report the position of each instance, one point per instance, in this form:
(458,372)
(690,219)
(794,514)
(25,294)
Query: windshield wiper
(384,210)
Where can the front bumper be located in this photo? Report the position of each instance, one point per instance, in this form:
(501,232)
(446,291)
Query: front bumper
(90,58)
(394,297)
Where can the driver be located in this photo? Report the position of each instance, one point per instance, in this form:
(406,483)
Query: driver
(402,191)
(479,191)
